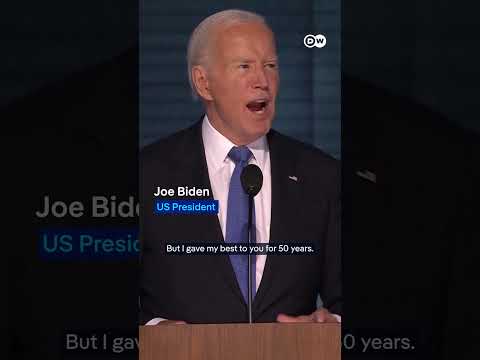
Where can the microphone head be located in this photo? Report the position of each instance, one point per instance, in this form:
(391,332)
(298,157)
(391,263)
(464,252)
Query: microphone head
(252,179)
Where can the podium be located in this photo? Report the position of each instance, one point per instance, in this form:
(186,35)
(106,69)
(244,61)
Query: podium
(272,341)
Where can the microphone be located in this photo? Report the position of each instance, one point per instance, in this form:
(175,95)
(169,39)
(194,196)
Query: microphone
(252,181)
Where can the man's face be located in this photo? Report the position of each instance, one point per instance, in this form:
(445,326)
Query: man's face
(242,81)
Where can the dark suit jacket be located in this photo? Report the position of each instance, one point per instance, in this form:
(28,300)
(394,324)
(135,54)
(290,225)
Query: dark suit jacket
(203,289)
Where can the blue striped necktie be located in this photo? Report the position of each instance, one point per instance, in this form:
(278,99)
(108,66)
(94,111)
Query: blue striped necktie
(237,219)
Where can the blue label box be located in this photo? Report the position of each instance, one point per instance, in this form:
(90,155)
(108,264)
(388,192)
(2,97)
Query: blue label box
(186,207)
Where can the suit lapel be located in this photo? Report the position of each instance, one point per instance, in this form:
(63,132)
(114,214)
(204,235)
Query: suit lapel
(285,193)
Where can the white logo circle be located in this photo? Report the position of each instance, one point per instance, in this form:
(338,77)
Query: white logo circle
(309,41)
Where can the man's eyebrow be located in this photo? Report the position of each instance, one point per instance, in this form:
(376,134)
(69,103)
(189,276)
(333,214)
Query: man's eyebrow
(245,60)
(242,60)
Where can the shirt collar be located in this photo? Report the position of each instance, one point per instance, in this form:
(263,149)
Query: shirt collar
(218,146)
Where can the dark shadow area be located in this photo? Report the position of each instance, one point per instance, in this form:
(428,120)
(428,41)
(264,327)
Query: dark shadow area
(410,203)
(81,141)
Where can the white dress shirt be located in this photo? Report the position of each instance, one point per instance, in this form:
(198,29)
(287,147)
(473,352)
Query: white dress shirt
(220,170)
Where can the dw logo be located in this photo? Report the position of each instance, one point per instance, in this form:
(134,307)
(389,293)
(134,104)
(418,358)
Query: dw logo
(318,41)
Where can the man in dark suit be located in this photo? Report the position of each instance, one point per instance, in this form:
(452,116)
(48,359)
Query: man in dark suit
(233,69)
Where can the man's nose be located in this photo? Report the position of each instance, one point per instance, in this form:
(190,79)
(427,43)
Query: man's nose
(261,80)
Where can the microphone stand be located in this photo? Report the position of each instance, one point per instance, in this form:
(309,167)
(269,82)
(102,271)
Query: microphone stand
(252,180)
(250,282)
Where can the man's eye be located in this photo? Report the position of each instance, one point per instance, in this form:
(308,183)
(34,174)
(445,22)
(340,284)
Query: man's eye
(271,65)
(243,66)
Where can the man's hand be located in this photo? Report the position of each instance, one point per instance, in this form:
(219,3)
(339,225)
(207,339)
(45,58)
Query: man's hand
(319,316)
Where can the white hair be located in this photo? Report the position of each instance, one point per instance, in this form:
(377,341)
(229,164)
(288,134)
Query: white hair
(198,44)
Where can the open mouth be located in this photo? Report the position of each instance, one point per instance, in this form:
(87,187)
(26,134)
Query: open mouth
(257,106)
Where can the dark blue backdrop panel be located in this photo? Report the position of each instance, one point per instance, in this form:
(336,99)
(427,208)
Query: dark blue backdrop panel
(308,105)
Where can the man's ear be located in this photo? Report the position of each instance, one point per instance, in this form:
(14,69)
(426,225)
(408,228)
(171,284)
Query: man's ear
(200,81)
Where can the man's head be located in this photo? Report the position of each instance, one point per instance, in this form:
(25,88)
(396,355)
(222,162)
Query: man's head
(233,68)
